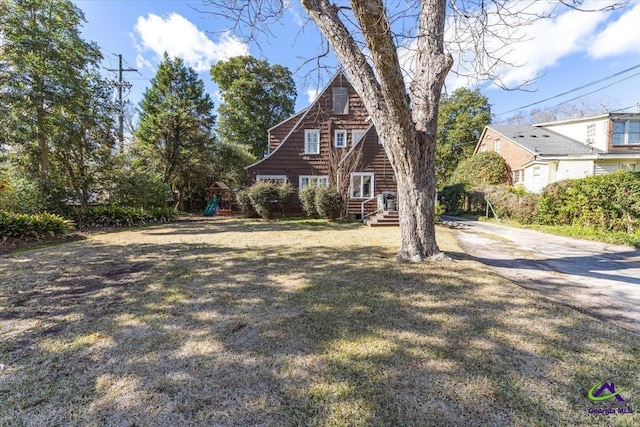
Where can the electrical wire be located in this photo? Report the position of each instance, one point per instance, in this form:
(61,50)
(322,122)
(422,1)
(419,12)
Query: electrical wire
(595,82)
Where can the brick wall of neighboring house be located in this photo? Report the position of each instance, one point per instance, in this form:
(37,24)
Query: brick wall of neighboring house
(619,149)
(514,154)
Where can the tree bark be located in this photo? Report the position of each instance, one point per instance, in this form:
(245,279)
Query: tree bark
(406,122)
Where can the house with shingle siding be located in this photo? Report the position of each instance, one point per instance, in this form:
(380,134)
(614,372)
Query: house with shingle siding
(317,144)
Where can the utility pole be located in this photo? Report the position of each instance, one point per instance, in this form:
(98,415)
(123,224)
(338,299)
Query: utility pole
(120,84)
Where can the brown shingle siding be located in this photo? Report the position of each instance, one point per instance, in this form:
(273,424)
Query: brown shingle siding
(287,142)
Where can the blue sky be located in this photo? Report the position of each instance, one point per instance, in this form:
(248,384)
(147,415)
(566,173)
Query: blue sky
(569,51)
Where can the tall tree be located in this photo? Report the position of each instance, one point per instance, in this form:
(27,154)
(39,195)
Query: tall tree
(175,134)
(256,96)
(43,63)
(366,36)
(461,119)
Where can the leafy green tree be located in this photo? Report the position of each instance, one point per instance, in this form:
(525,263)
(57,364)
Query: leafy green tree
(461,119)
(43,64)
(256,96)
(175,134)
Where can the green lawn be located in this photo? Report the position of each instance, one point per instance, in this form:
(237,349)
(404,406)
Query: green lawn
(241,322)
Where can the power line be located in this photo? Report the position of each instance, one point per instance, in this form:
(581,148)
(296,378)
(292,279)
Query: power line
(574,90)
(120,84)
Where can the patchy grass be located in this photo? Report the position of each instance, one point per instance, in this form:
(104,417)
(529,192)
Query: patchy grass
(240,322)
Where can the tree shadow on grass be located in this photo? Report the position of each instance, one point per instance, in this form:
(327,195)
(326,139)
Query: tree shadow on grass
(202,334)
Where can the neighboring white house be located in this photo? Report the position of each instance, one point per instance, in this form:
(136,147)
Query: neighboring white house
(541,154)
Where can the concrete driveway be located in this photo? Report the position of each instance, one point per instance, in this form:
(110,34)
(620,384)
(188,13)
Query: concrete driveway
(597,278)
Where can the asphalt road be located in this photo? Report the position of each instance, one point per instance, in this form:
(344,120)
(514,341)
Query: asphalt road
(597,278)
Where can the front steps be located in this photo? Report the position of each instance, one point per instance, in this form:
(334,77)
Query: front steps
(384,219)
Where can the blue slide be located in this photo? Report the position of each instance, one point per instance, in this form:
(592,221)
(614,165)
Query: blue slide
(212,207)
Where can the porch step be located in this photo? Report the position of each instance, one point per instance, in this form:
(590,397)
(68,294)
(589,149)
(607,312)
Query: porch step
(384,219)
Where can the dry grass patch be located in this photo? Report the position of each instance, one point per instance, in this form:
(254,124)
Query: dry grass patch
(239,322)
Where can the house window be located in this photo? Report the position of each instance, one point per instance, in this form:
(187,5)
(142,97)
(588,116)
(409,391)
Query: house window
(357,135)
(274,179)
(318,181)
(340,100)
(628,167)
(311,141)
(496,145)
(518,176)
(340,138)
(362,185)
(591,134)
(536,174)
(483,148)
(626,132)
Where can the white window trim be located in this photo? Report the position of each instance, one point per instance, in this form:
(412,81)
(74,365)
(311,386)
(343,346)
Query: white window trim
(496,146)
(310,178)
(344,138)
(362,174)
(353,135)
(308,132)
(260,178)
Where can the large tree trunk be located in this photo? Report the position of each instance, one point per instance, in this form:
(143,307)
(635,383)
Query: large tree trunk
(406,122)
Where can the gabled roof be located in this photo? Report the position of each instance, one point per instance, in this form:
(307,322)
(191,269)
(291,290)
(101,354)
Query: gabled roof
(541,141)
(302,114)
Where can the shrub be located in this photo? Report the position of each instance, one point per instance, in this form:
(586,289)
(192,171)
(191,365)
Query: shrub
(244,202)
(118,216)
(453,197)
(308,200)
(328,202)
(33,225)
(488,168)
(263,195)
(140,189)
(285,196)
(604,202)
(20,195)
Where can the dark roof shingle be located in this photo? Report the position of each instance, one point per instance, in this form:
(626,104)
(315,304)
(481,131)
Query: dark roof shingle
(541,141)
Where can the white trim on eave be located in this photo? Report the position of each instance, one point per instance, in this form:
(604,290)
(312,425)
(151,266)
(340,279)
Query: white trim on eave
(295,127)
(503,136)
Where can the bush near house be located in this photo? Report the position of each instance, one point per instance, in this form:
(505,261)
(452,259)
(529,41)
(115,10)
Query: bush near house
(486,168)
(265,197)
(328,203)
(307,198)
(605,202)
(508,202)
(244,202)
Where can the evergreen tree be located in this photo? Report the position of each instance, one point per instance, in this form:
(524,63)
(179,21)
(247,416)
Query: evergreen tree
(175,134)
(54,108)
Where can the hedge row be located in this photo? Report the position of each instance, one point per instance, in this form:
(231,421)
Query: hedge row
(609,203)
(118,216)
(33,225)
(605,202)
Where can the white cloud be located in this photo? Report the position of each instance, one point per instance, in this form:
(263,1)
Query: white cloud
(312,94)
(620,37)
(537,46)
(551,40)
(181,38)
